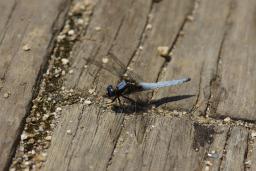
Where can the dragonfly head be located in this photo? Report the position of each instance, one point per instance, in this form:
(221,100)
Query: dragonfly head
(110,91)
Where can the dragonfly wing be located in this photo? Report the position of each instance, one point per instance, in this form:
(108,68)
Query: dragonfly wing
(152,86)
(110,67)
(127,73)
(115,67)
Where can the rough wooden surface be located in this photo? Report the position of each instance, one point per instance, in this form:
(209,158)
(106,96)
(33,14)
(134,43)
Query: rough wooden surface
(236,150)
(31,23)
(93,135)
(121,33)
(251,156)
(145,143)
(210,41)
(109,141)
(234,93)
(196,54)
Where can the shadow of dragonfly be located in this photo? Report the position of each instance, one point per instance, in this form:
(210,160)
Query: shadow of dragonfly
(143,106)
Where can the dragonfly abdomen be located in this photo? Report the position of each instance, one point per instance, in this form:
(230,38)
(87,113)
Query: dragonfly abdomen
(152,86)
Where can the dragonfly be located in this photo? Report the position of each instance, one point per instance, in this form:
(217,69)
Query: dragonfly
(129,82)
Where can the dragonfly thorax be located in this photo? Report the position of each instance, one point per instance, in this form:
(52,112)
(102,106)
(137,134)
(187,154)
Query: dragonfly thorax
(120,88)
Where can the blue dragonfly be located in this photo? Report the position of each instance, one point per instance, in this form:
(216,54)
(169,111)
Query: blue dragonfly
(129,82)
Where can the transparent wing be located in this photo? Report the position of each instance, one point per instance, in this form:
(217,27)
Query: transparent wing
(128,73)
(112,64)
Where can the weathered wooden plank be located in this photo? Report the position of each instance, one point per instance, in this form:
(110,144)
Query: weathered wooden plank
(89,145)
(94,138)
(6,12)
(145,143)
(114,26)
(65,132)
(195,55)
(31,23)
(216,151)
(250,162)
(236,149)
(157,145)
(166,144)
(129,36)
(167,19)
(121,31)
(234,93)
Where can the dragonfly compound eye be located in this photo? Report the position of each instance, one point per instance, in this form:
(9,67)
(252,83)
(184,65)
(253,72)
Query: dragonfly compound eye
(110,91)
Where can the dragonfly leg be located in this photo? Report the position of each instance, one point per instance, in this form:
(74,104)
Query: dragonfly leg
(128,98)
(114,100)
(121,105)
(133,101)
(119,101)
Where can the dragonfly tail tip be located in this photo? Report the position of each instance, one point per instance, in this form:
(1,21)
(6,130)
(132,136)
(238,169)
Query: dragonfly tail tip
(188,79)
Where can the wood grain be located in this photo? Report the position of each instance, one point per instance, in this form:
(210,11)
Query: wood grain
(103,140)
(217,149)
(211,42)
(23,23)
(167,144)
(195,55)
(162,143)
(114,28)
(91,142)
(250,163)
(121,34)
(235,150)
(114,25)
(234,92)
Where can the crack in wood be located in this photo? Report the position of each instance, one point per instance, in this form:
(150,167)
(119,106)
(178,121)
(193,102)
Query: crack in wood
(170,50)
(97,124)
(175,41)
(74,135)
(83,69)
(116,139)
(27,111)
(155,143)
(224,148)
(197,105)
(168,154)
(84,33)
(215,89)
(50,47)
(3,77)
(98,50)
(8,20)
(142,35)
(117,31)
(235,148)
(38,80)
(108,53)
(214,96)
(140,131)
(246,152)
(56,26)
